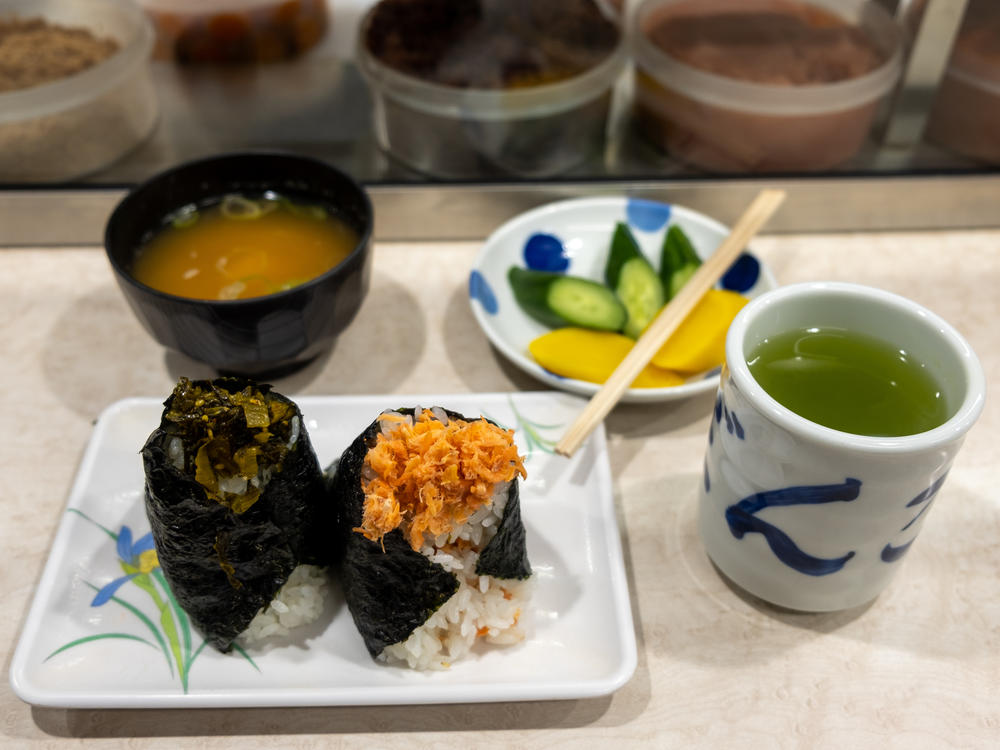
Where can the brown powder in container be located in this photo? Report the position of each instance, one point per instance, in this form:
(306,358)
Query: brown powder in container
(33,52)
(57,138)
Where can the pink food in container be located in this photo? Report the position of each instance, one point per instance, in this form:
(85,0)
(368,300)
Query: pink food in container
(762,85)
(965,117)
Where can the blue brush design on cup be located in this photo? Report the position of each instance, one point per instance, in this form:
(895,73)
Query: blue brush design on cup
(742,519)
(891,553)
(733,426)
(738,427)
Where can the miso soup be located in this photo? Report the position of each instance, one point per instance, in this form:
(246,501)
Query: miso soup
(243,247)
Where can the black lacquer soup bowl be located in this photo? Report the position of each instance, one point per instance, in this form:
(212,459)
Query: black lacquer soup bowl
(259,336)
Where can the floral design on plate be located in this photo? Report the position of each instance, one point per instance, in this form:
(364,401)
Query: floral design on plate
(166,621)
(531,431)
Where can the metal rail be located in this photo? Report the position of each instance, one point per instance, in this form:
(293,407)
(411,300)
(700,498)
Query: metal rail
(469,212)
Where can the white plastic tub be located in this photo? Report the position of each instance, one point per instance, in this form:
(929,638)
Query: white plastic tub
(76,125)
(725,124)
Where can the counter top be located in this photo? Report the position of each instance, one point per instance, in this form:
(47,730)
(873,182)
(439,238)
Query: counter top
(918,667)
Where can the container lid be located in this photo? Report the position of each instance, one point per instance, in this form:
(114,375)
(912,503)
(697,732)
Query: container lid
(770,98)
(492,59)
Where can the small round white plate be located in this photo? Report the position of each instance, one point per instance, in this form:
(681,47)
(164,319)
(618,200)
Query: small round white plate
(574,237)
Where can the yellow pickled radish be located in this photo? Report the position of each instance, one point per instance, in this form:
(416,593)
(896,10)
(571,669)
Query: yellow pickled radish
(699,343)
(589,355)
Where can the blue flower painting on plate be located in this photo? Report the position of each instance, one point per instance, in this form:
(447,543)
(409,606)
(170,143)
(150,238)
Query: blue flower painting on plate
(162,618)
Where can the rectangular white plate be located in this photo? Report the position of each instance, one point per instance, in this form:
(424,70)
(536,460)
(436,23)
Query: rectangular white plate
(128,652)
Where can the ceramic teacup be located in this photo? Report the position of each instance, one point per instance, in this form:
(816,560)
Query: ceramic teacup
(808,517)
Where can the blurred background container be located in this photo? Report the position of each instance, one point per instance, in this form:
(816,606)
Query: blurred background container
(75,124)
(437,147)
(212,31)
(966,114)
(513,87)
(762,85)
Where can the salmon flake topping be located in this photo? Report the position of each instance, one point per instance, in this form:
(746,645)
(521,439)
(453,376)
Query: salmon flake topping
(428,476)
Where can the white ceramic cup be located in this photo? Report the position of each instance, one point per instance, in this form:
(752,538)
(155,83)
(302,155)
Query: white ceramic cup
(811,518)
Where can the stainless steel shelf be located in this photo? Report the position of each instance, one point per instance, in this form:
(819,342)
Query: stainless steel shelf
(450,212)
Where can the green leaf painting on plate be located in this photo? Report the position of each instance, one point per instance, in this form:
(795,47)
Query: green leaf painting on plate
(168,626)
(533,432)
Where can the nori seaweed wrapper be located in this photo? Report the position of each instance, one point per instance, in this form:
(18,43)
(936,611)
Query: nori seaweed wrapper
(390,588)
(226,555)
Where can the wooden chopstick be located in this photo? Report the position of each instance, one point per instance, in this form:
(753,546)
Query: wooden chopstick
(669,318)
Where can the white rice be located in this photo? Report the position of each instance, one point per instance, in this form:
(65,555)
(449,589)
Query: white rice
(483,607)
(299,602)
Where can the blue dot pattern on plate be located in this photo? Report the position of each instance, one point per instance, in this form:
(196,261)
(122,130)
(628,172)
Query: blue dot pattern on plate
(545,252)
(742,275)
(649,216)
(479,288)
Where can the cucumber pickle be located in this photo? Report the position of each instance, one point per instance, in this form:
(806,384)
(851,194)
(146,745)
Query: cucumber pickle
(556,299)
(634,281)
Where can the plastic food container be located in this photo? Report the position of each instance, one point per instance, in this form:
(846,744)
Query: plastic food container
(726,124)
(965,117)
(213,31)
(78,124)
(467,132)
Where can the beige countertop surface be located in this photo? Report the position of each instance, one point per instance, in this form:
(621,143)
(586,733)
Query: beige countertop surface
(917,668)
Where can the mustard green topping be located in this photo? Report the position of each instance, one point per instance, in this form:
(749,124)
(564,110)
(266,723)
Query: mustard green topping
(229,437)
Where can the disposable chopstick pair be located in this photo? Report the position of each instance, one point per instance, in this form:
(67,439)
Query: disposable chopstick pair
(669,318)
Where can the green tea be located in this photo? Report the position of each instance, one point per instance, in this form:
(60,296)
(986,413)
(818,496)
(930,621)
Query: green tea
(849,381)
